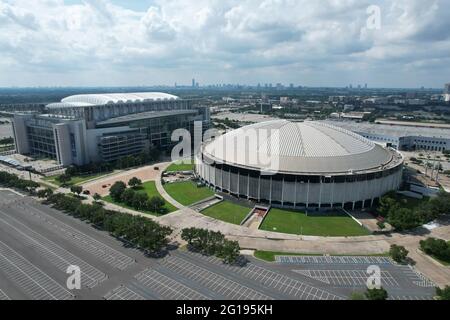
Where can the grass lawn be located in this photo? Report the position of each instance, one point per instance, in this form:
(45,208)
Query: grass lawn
(178,166)
(187,192)
(334,224)
(270,255)
(150,189)
(443,262)
(228,212)
(76,180)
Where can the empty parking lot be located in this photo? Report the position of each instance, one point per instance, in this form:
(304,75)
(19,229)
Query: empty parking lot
(38,243)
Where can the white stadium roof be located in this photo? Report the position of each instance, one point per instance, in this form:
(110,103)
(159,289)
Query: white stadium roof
(86,100)
(299,147)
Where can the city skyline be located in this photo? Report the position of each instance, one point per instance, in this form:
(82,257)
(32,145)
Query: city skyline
(146,43)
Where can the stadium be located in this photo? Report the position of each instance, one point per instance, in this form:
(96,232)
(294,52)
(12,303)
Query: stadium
(299,165)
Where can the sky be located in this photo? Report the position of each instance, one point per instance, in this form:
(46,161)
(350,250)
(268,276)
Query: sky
(384,43)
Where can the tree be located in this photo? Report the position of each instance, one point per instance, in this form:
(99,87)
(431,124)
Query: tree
(44,193)
(443,294)
(76,189)
(116,190)
(156,204)
(139,201)
(230,251)
(128,196)
(189,234)
(64,179)
(135,182)
(403,218)
(398,253)
(436,247)
(376,294)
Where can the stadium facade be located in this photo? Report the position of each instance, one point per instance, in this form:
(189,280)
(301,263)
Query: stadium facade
(104,127)
(317,165)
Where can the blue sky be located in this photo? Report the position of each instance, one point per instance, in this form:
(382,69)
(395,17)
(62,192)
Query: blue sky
(305,42)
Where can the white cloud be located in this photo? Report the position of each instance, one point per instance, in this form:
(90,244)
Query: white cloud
(310,42)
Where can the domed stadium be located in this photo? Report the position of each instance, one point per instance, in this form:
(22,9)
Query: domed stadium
(300,164)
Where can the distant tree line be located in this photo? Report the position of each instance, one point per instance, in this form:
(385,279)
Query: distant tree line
(7,141)
(9,180)
(403,218)
(141,232)
(138,200)
(436,247)
(212,243)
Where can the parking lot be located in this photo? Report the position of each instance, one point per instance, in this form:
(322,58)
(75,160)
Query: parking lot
(38,243)
(350,272)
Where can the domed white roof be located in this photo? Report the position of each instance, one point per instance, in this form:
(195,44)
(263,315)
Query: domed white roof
(84,100)
(298,147)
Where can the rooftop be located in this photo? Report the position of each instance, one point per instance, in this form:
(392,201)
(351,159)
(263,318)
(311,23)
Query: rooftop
(86,100)
(299,147)
(145,115)
(397,131)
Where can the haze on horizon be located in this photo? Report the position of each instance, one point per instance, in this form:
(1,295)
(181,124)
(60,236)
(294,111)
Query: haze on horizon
(155,42)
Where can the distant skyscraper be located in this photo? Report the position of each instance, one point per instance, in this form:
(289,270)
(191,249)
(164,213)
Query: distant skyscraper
(365,86)
(193,83)
(447,92)
(447,88)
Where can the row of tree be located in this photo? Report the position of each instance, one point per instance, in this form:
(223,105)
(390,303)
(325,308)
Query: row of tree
(436,247)
(138,200)
(12,181)
(400,216)
(141,232)
(6,141)
(212,243)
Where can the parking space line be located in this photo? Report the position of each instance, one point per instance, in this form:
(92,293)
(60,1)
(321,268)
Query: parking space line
(123,293)
(61,258)
(37,284)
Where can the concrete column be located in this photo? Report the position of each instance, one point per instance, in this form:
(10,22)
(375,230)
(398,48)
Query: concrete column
(270,194)
(295,193)
(307,196)
(248,186)
(320,193)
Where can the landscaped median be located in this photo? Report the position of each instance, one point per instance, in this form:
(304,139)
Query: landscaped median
(187,192)
(325,224)
(148,189)
(269,256)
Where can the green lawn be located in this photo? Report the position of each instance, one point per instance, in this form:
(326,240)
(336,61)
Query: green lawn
(77,180)
(228,212)
(187,192)
(178,166)
(334,224)
(270,255)
(150,189)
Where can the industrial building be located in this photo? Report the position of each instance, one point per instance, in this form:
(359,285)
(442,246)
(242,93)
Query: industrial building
(311,164)
(104,127)
(405,138)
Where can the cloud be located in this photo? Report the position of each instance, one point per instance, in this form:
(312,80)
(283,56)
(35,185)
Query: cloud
(98,42)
